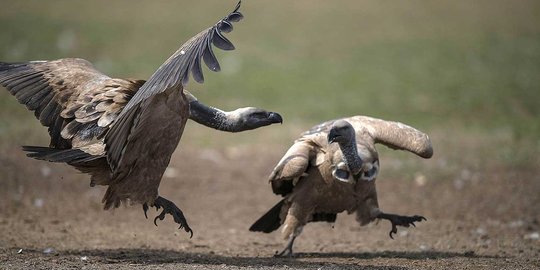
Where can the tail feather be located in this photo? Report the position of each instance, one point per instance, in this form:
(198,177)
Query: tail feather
(270,221)
(70,156)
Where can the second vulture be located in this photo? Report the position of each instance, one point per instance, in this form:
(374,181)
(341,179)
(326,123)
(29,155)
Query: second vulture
(332,168)
(120,131)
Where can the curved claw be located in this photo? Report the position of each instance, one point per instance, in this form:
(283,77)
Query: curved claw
(170,208)
(145,209)
(393,231)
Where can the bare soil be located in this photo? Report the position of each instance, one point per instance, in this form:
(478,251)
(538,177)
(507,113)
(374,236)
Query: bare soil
(51,219)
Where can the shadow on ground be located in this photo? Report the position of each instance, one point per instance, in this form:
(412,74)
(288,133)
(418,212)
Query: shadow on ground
(413,255)
(157,257)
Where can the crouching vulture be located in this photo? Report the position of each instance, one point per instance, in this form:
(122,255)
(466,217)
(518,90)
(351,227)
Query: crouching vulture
(121,131)
(332,168)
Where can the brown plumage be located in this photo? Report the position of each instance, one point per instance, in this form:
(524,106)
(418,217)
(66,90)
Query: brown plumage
(120,131)
(332,168)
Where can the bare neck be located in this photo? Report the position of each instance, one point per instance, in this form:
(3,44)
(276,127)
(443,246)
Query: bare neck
(351,157)
(212,117)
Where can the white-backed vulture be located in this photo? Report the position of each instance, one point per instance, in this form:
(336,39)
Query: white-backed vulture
(122,131)
(332,168)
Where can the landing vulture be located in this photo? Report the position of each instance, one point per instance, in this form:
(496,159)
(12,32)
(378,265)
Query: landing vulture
(121,131)
(332,168)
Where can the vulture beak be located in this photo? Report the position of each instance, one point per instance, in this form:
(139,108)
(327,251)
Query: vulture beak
(275,118)
(332,136)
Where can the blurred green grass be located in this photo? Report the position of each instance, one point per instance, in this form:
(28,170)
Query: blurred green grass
(470,66)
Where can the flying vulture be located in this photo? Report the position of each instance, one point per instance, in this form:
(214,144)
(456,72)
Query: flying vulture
(122,131)
(332,168)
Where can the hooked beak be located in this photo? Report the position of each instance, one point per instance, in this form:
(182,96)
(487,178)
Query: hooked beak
(332,136)
(275,118)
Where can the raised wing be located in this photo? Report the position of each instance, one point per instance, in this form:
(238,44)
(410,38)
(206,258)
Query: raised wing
(174,73)
(69,96)
(395,135)
(176,69)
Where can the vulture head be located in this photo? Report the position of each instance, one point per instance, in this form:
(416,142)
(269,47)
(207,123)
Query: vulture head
(251,118)
(342,132)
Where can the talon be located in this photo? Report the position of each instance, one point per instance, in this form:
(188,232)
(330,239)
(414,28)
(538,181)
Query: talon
(161,217)
(174,211)
(145,208)
(393,231)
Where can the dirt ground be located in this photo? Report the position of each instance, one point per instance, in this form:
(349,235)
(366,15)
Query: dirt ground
(51,219)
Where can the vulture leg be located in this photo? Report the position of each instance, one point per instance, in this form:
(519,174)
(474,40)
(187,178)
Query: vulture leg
(170,208)
(398,220)
(287,251)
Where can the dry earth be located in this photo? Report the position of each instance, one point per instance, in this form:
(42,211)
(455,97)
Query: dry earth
(51,219)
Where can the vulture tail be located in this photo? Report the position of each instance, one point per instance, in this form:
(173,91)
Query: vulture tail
(70,156)
(270,221)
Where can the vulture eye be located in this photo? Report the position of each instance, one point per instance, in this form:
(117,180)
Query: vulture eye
(371,173)
(259,114)
(343,174)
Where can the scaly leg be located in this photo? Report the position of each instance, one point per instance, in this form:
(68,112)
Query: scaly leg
(287,251)
(398,220)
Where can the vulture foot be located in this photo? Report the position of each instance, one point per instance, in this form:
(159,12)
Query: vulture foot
(169,208)
(287,251)
(398,220)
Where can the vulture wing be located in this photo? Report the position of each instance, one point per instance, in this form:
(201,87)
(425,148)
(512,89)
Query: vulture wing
(173,73)
(293,165)
(395,135)
(69,96)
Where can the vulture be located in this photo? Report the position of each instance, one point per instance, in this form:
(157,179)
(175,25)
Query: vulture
(123,131)
(332,168)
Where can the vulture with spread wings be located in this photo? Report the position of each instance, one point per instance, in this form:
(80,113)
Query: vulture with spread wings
(332,168)
(121,131)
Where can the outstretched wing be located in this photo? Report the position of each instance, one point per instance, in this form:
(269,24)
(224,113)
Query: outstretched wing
(174,73)
(69,96)
(175,70)
(395,135)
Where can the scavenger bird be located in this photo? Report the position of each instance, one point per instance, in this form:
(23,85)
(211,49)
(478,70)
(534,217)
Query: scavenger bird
(332,168)
(123,131)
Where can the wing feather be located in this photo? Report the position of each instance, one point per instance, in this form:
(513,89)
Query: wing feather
(395,135)
(292,165)
(172,74)
(65,93)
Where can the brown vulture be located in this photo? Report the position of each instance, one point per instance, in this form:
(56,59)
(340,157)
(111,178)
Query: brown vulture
(121,131)
(332,168)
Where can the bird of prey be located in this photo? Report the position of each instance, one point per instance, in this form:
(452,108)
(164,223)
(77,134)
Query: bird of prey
(123,131)
(332,168)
